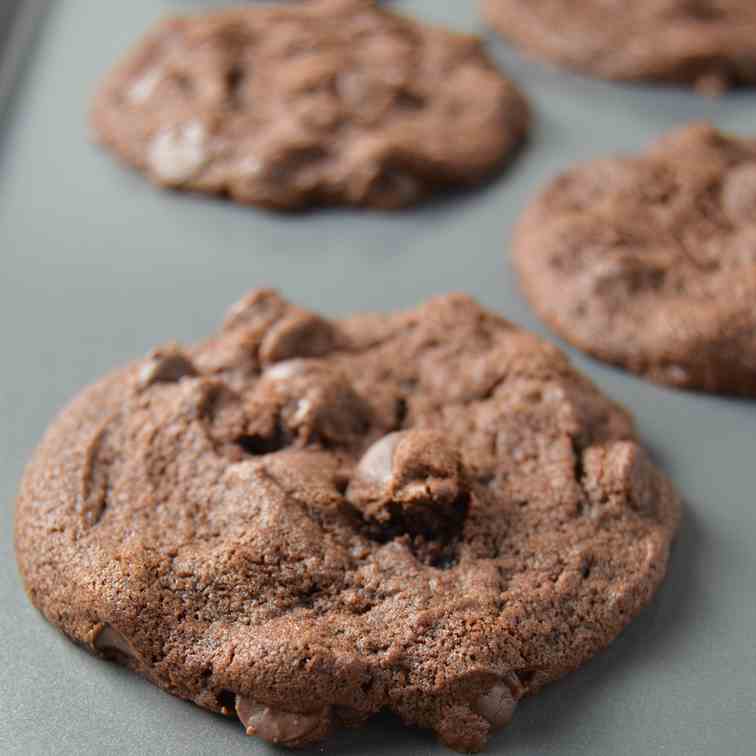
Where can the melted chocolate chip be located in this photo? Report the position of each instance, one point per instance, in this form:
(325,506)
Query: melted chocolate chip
(167,364)
(410,484)
(497,706)
(301,334)
(114,645)
(282,727)
(301,402)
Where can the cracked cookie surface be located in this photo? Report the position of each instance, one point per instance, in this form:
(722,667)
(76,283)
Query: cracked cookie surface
(303,521)
(710,44)
(325,102)
(649,262)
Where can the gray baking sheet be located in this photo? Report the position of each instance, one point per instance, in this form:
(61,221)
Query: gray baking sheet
(96,266)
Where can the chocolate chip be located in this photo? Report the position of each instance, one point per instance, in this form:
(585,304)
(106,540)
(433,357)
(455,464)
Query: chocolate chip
(624,475)
(377,464)
(411,481)
(220,412)
(167,364)
(178,153)
(111,643)
(300,334)
(307,402)
(282,727)
(256,311)
(497,706)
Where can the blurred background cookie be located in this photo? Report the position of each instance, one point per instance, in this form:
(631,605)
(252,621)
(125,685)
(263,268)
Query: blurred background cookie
(326,102)
(649,262)
(710,44)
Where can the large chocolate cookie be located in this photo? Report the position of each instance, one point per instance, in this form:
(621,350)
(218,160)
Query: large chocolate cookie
(708,43)
(306,521)
(650,262)
(333,101)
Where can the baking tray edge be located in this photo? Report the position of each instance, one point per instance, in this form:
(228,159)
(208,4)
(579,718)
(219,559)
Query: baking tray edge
(19,22)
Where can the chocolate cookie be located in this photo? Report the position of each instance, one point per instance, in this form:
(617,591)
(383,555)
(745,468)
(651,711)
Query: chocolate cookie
(650,262)
(324,102)
(302,522)
(708,43)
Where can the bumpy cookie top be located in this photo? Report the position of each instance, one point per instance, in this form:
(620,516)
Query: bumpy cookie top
(650,262)
(330,101)
(709,43)
(309,520)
